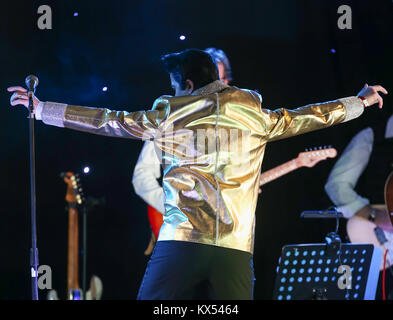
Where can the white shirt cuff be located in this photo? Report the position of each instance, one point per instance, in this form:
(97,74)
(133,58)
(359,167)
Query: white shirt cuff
(350,209)
(38,111)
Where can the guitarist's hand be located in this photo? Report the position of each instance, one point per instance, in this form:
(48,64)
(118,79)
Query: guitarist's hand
(381,217)
(370,93)
(382,220)
(260,186)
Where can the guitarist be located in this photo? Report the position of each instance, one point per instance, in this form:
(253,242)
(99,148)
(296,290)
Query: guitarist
(365,165)
(147,172)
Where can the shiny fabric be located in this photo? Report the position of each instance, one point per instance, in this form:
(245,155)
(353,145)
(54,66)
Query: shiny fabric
(210,196)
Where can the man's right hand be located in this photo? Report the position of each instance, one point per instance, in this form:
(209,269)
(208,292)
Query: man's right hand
(19,96)
(381,217)
(370,93)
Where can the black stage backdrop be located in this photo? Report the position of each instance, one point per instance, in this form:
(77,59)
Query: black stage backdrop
(292,52)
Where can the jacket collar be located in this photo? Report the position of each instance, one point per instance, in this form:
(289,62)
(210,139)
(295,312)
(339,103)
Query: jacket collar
(212,87)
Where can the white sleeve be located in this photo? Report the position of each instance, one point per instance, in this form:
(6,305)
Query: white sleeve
(144,179)
(342,180)
(38,111)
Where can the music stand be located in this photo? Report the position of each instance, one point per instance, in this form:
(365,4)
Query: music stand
(312,271)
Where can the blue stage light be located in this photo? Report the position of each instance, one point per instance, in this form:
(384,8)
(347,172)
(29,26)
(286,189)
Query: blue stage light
(76,14)
(182,37)
(105,89)
(86,170)
(332,50)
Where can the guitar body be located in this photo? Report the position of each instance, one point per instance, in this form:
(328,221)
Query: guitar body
(389,196)
(361,230)
(155,220)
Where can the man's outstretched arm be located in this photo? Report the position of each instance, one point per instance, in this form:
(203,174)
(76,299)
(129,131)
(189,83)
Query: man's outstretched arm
(285,123)
(102,121)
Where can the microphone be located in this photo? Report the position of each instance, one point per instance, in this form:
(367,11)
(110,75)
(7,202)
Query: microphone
(31,83)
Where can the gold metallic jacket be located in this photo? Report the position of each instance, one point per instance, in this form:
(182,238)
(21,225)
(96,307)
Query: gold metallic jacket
(211,144)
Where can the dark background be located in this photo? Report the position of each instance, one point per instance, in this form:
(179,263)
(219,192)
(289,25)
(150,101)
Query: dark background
(281,48)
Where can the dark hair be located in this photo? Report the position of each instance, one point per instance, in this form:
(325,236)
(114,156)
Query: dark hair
(219,56)
(193,64)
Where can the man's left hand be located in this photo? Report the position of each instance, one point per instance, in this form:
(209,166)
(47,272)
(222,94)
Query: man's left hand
(370,94)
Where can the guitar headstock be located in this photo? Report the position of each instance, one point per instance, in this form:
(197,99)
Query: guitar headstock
(74,189)
(310,157)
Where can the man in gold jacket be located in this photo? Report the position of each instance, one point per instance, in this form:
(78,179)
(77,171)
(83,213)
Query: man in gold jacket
(211,139)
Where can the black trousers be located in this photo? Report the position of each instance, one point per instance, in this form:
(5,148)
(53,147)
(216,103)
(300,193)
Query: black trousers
(180,270)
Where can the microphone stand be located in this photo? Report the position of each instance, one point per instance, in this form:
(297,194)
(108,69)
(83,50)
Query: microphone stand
(34,249)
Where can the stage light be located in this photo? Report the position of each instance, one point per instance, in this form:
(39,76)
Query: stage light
(86,170)
(332,50)
(182,37)
(105,89)
(76,14)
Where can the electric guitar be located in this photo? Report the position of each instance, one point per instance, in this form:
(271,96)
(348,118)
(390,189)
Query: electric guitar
(304,159)
(361,230)
(74,198)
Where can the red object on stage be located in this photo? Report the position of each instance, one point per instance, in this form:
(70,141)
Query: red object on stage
(155,219)
(383,276)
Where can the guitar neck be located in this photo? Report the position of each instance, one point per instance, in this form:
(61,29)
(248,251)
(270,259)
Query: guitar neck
(73,248)
(277,172)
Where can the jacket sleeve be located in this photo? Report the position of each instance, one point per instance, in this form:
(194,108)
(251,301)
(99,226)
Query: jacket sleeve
(102,121)
(283,123)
